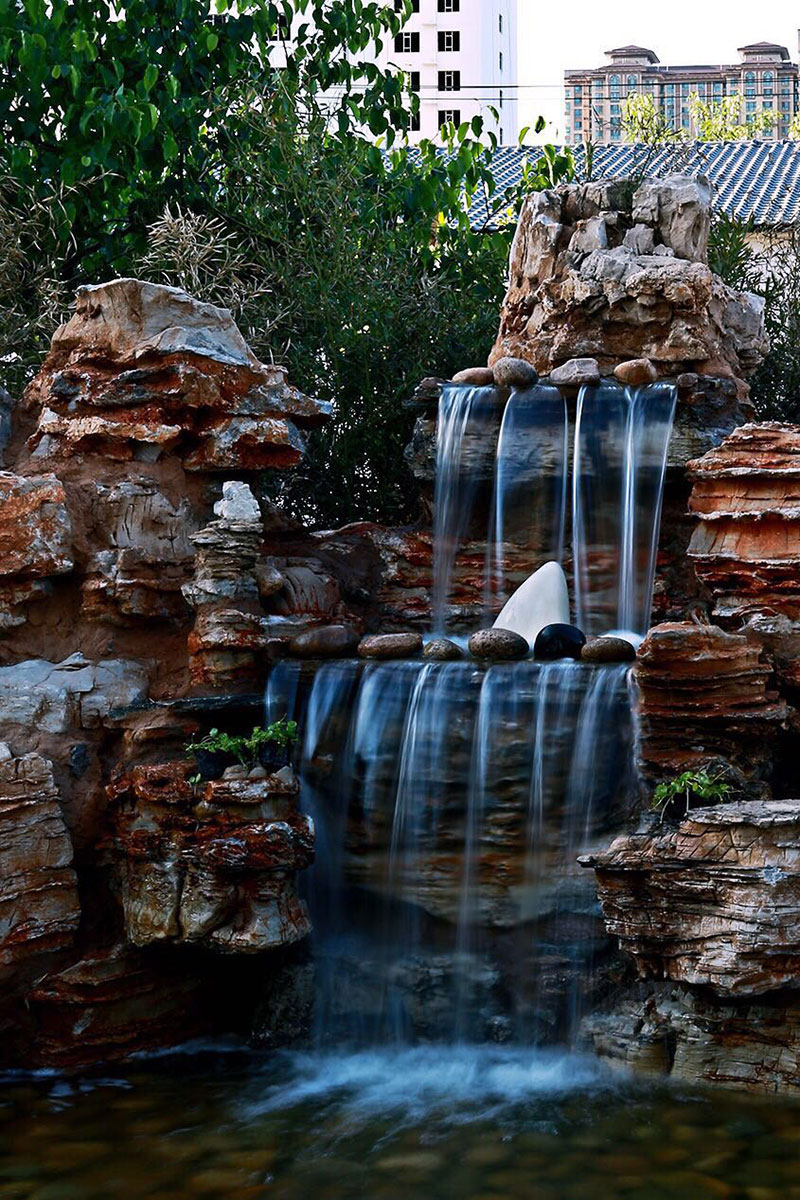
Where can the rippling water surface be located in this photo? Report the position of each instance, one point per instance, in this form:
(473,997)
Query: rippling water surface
(480,1123)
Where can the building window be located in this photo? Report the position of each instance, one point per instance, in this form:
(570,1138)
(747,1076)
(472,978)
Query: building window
(500,30)
(449,5)
(414,81)
(631,83)
(449,116)
(449,40)
(501,137)
(449,81)
(282,31)
(407,43)
(768,81)
(501,100)
(398,5)
(749,84)
(416,124)
(500,60)
(614,87)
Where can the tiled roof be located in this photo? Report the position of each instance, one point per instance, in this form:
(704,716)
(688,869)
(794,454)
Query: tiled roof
(750,179)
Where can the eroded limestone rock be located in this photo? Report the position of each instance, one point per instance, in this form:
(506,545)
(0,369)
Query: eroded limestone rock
(215,865)
(39,907)
(636,286)
(35,541)
(704,692)
(715,902)
(75,693)
(746,545)
(142,369)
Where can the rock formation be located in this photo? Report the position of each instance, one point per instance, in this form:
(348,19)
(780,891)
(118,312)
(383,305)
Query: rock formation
(134,572)
(705,693)
(214,864)
(714,902)
(746,545)
(616,272)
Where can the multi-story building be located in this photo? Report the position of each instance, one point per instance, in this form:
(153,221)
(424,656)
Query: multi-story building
(764,80)
(461,58)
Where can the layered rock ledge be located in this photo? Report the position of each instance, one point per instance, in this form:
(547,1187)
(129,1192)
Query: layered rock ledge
(715,902)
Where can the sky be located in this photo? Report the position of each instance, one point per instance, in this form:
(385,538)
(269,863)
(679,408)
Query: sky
(553,37)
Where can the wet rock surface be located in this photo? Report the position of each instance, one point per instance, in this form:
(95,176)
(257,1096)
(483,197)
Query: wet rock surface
(576,372)
(636,372)
(390,645)
(498,644)
(442,650)
(514,373)
(475,377)
(330,641)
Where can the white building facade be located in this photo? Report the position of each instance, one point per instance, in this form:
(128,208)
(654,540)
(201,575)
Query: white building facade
(461,59)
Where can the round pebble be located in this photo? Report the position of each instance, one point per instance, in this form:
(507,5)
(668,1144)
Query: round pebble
(498,644)
(607,650)
(442,650)
(390,645)
(559,641)
(514,373)
(329,641)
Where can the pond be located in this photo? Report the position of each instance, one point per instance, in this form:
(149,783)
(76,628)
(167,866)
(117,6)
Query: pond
(456,1123)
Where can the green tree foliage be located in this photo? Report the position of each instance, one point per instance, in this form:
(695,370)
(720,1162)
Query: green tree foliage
(721,120)
(197,144)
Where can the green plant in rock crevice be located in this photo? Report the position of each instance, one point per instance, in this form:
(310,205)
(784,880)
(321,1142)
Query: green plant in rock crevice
(700,785)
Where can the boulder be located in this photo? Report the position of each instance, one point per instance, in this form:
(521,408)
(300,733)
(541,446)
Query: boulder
(475,377)
(390,645)
(608,650)
(442,650)
(576,372)
(559,641)
(543,599)
(498,644)
(328,641)
(626,282)
(514,373)
(636,372)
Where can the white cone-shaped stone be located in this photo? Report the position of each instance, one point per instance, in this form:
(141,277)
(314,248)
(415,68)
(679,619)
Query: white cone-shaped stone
(543,599)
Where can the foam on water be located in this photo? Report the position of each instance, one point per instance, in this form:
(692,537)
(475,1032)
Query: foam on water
(450,1082)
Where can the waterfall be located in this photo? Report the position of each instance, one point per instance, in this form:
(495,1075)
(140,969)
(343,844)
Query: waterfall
(619,463)
(451,801)
(464,438)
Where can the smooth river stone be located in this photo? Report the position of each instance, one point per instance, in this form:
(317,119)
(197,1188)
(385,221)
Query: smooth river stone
(514,372)
(442,650)
(576,372)
(636,372)
(390,645)
(559,641)
(499,644)
(608,650)
(475,376)
(543,599)
(329,641)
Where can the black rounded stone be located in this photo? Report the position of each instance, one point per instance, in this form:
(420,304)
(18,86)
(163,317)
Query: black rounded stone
(442,650)
(559,641)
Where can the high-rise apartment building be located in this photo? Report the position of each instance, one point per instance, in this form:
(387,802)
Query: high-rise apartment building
(461,58)
(764,80)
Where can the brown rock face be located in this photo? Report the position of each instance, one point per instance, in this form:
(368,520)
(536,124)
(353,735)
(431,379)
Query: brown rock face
(214,865)
(39,908)
(609,271)
(110,1005)
(704,692)
(746,545)
(35,541)
(749,1045)
(715,902)
(142,369)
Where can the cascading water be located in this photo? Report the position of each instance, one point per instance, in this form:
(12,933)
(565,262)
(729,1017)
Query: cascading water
(451,801)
